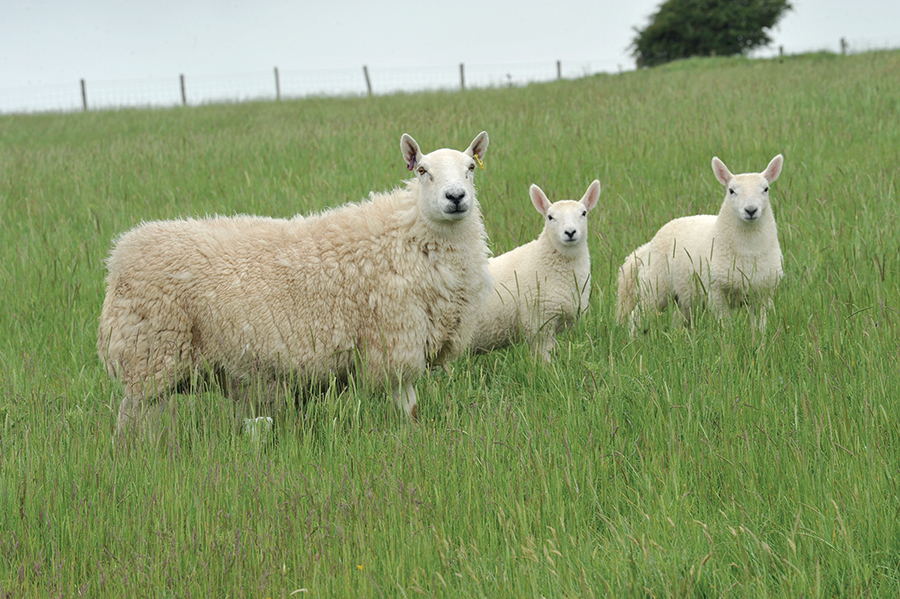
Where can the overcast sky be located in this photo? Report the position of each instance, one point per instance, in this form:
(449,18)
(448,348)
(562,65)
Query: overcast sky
(58,42)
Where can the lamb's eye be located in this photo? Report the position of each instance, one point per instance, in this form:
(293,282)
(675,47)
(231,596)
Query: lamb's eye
(584,213)
(549,217)
(421,170)
(766,190)
(471,167)
(731,191)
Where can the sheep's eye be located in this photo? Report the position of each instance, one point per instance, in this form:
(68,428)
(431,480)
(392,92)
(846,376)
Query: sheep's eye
(471,167)
(422,170)
(731,190)
(766,190)
(549,217)
(584,213)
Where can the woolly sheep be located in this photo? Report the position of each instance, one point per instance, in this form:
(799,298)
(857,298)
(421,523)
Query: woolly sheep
(385,289)
(728,260)
(542,286)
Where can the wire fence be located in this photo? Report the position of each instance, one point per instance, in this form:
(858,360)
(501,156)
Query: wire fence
(276,84)
(195,90)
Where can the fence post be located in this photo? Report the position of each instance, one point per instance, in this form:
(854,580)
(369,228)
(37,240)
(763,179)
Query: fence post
(559,70)
(780,51)
(368,81)
(183,94)
(84,95)
(462,76)
(277,86)
(843,47)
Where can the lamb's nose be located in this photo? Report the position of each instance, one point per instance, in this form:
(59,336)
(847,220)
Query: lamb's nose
(570,233)
(455,196)
(750,212)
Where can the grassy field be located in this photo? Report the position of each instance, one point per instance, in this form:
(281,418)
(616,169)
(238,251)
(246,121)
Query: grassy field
(682,463)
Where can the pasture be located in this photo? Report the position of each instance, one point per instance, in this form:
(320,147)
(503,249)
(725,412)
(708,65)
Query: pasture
(680,463)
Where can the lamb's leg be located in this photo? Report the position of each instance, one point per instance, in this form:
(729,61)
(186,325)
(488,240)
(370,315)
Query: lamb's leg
(758,314)
(651,302)
(544,344)
(405,399)
(718,303)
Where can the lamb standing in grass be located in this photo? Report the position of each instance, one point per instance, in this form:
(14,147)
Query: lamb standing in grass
(728,260)
(384,289)
(544,285)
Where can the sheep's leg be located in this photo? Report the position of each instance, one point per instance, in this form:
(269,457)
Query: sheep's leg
(146,381)
(131,413)
(140,414)
(405,399)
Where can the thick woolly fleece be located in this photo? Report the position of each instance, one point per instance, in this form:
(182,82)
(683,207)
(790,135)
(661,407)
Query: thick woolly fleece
(383,289)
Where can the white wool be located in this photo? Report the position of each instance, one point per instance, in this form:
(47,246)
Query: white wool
(544,285)
(723,261)
(383,289)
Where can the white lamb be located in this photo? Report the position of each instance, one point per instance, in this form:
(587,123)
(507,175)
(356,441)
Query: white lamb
(728,260)
(383,289)
(544,285)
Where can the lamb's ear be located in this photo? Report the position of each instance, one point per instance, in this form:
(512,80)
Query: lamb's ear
(774,169)
(479,145)
(539,199)
(411,152)
(591,196)
(722,173)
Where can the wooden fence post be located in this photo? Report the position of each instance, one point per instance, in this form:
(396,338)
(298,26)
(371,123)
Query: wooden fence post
(843,47)
(462,76)
(559,70)
(84,95)
(277,86)
(368,81)
(183,94)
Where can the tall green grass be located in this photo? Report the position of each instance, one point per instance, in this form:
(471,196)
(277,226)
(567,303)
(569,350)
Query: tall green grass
(682,463)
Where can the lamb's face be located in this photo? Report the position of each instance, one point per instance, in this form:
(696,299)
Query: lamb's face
(748,195)
(565,221)
(446,178)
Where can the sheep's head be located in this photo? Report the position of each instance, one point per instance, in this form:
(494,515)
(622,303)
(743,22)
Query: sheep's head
(446,177)
(748,195)
(565,221)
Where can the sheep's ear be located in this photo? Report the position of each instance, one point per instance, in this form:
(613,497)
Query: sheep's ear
(722,173)
(479,145)
(411,152)
(591,196)
(774,169)
(539,199)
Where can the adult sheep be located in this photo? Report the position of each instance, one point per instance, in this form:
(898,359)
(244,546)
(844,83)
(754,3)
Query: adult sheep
(544,285)
(382,289)
(726,261)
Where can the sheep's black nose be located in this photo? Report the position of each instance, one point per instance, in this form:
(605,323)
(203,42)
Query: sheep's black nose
(455,197)
(571,233)
(750,212)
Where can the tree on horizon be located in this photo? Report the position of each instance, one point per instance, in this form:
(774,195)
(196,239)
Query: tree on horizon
(685,28)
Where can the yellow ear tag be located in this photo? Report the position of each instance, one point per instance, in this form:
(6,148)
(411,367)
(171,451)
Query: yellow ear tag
(478,161)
